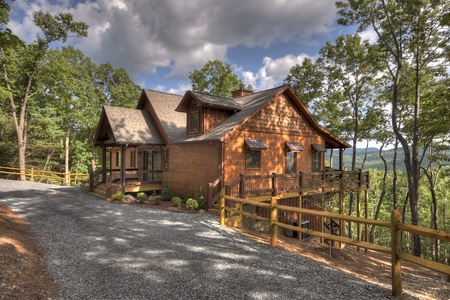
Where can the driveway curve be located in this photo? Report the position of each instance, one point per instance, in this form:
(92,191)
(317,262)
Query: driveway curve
(102,250)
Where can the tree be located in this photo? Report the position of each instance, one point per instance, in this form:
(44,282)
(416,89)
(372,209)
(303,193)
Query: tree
(408,31)
(306,80)
(22,64)
(215,78)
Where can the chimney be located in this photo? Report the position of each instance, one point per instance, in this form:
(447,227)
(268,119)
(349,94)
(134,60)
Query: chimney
(241,92)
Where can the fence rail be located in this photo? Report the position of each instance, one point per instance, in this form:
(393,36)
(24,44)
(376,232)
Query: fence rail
(36,175)
(395,226)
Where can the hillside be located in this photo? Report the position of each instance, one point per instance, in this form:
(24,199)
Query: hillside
(373,160)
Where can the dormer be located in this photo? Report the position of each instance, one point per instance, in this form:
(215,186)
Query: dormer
(205,111)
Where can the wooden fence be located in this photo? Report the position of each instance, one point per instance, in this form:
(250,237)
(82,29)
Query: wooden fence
(35,175)
(394,225)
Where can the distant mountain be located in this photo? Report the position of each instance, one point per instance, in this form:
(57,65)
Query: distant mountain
(373,160)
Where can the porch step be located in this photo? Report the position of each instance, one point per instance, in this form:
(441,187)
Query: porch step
(100,191)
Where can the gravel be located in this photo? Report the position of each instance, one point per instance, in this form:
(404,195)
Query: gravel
(102,250)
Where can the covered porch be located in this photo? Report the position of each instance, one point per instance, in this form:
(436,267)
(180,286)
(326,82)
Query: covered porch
(133,154)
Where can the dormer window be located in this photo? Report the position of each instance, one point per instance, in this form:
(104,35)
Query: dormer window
(194,115)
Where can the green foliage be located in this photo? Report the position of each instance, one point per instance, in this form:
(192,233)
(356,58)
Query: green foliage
(166,194)
(199,198)
(156,200)
(191,204)
(117,197)
(141,196)
(185,197)
(215,78)
(176,201)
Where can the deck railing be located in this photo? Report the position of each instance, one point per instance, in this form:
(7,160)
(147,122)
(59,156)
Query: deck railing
(273,184)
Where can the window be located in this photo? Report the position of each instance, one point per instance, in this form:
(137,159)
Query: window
(253,159)
(194,119)
(253,153)
(291,162)
(165,159)
(133,159)
(118,158)
(316,161)
(291,156)
(318,149)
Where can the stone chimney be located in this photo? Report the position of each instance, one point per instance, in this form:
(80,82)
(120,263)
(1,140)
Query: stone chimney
(241,92)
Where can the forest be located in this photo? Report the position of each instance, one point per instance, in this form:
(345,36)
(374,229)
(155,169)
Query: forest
(395,91)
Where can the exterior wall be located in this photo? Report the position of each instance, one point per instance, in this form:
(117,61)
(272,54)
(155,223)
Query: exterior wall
(277,123)
(212,117)
(191,165)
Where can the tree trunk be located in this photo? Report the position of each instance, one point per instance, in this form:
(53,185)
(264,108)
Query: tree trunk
(395,178)
(380,200)
(66,157)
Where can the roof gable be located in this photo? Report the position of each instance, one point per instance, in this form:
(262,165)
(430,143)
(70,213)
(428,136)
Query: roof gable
(127,126)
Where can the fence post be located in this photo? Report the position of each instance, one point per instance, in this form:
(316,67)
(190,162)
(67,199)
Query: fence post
(395,249)
(68,179)
(273,219)
(222,207)
(32,174)
(210,195)
(274,184)
(242,186)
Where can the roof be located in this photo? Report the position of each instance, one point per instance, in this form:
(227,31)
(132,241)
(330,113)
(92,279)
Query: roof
(128,126)
(250,105)
(254,144)
(165,116)
(171,123)
(206,100)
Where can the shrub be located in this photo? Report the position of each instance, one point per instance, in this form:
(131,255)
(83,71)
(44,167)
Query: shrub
(191,204)
(156,200)
(141,196)
(176,201)
(166,194)
(117,196)
(185,197)
(199,197)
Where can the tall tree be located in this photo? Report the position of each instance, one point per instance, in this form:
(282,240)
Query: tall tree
(21,66)
(408,30)
(306,80)
(215,78)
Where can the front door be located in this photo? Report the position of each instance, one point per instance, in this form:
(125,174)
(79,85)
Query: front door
(146,162)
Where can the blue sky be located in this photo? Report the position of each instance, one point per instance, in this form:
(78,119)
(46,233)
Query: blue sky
(159,42)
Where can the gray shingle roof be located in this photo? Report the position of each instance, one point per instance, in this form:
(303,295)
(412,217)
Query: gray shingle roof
(211,101)
(132,126)
(164,105)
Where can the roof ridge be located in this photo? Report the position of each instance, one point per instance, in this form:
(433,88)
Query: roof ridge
(161,92)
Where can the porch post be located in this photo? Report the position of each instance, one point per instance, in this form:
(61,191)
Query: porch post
(103,163)
(341,159)
(123,168)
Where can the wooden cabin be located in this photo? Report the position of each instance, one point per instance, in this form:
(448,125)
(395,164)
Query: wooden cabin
(199,139)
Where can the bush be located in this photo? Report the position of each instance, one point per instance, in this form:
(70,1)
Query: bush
(191,204)
(176,201)
(166,194)
(117,197)
(141,196)
(185,197)
(156,200)
(199,197)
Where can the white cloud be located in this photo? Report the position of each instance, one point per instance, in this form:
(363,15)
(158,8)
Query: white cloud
(273,72)
(142,35)
(369,35)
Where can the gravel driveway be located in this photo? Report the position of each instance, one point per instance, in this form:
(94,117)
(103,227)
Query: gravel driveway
(102,250)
